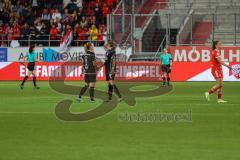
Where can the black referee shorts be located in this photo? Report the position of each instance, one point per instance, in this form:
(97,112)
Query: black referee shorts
(166,68)
(31,66)
(90,78)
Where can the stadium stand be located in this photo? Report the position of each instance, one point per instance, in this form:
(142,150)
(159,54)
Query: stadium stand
(42,20)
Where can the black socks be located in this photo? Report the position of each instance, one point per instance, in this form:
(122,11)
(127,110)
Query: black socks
(115,89)
(24,80)
(110,91)
(34,81)
(83,90)
(92,93)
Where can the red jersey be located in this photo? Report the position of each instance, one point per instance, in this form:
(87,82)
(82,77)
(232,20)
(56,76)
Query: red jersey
(105,10)
(215,64)
(2,33)
(53,33)
(82,34)
(16,31)
(2,30)
(109,2)
(10,33)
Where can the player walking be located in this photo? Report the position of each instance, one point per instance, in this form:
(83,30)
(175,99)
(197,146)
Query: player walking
(31,57)
(217,72)
(110,70)
(166,63)
(89,69)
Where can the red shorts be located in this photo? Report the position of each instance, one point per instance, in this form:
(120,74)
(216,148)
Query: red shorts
(217,74)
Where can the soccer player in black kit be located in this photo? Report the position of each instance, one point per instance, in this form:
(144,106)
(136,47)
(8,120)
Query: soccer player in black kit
(90,71)
(110,67)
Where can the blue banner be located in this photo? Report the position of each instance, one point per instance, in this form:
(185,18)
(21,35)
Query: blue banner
(50,55)
(3,55)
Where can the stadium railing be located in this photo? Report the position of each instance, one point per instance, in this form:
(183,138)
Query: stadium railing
(45,40)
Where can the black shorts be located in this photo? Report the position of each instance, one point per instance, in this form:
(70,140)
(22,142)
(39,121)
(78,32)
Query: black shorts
(109,76)
(166,68)
(90,78)
(31,66)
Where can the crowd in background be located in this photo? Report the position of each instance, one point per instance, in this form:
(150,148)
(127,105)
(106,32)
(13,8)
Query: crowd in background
(41,20)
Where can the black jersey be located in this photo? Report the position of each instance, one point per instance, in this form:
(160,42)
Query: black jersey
(88,62)
(110,61)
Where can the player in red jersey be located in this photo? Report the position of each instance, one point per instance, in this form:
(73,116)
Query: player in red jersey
(217,72)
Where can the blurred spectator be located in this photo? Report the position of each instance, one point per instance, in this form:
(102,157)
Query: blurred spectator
(79,3)
(47,4)
(24,34)
(53,35)
(102,35)
(65,16)
(42,15)
(72,7)
(43,35)
(80,14)
(50,23)
(98,14)
(83,22)
(67,2)
(92,20)
(105,9)
(59,25)
(74,17)
(9,31)
(64,27)
(33,35)
(1,12)
(82,35)
(16,31)
(45,15)
(75,31)
(93,32)
(29,17)
(109,2)
(56,14)
(57,4)
(34,4)
(39,26)
(2,34)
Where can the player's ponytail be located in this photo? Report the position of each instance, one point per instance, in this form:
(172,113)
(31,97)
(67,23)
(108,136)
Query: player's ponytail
(87,46)
(214,45)
(112,45)
(31,49)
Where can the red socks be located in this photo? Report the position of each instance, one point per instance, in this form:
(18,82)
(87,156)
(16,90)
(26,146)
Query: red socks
(214,89)
(219,94)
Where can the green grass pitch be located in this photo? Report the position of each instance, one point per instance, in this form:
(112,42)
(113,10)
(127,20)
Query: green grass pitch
(29,128)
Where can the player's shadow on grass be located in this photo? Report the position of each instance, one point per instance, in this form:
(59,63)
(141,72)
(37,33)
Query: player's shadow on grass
(62,109)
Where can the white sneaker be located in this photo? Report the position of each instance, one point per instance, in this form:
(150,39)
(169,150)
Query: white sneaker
(207,95)
(120,99)
(80,100)
(221,101)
